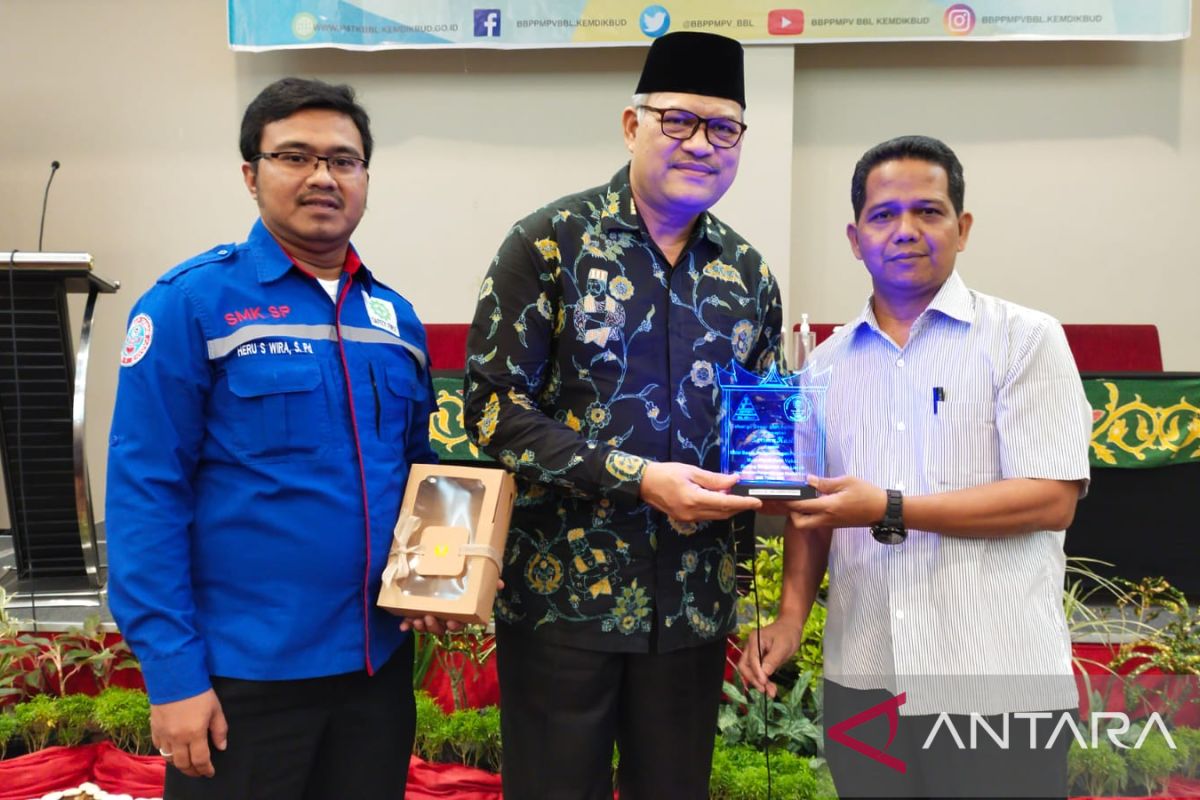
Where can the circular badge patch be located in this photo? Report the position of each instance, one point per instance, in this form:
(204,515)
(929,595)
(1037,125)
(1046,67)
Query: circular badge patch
(798,408)
(137,340)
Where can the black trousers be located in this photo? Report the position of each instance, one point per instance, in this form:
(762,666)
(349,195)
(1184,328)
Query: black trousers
(563,708)
(935,765)
(332,738)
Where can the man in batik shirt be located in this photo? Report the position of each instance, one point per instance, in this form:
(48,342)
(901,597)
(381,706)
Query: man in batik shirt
(591,375)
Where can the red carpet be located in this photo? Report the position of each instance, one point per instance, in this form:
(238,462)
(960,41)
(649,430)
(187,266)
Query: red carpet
(116,772)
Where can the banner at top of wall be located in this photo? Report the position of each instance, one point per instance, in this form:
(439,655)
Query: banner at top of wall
(387,24)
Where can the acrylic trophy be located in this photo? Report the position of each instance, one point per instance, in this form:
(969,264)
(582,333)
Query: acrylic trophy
(772,431)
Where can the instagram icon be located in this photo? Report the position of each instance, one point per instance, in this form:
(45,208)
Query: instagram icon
(959,19)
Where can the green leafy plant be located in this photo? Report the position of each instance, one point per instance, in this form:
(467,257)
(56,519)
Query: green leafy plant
(616,762)
(16,657)
(767,567)
(17,668)
(473,644)
(124,716)
(1087,598)
(473,735)
(425,647)
(8,729)
(740,773)
(8,625)
(1188,742)
(31,663)
(1096,771)
(469,736)
(431,727)
(789,722)
(57,660)
(1173,642)
(1152,764)
(1154,629)
(1153,623)
(75,723)
(36,719)
(91,645)
(1148,624)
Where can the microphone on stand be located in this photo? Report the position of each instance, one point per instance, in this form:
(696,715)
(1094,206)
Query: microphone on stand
(54,165)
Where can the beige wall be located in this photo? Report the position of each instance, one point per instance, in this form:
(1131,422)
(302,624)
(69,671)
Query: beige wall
(1082,159)
(1082,164)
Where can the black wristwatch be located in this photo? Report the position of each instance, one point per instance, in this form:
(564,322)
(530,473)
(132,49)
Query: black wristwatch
(890,529)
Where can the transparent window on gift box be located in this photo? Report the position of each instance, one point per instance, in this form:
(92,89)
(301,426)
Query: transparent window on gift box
(443,502)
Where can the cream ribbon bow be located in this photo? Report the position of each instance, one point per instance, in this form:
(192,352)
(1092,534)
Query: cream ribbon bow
(397,568)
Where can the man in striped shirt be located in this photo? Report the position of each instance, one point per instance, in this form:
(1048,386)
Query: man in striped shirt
(957,430)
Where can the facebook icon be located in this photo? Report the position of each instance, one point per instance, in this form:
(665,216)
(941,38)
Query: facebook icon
(487,22)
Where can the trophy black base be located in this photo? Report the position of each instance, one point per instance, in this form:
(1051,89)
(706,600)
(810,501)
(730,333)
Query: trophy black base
(775,490)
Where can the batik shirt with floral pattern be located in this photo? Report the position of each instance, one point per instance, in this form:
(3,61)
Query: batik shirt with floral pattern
(590,355)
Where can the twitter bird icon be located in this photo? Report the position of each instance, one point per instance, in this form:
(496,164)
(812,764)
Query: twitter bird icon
(654,21)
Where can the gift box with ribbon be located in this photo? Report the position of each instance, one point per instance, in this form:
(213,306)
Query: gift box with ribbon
(448,543)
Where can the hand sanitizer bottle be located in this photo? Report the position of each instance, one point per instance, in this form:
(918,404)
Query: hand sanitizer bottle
(805,341)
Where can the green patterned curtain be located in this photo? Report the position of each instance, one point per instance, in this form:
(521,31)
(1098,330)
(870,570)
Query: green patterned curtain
(1144,423)
(446,430)
(1135,423)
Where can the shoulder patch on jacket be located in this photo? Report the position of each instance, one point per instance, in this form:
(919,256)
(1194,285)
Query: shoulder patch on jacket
(218,253)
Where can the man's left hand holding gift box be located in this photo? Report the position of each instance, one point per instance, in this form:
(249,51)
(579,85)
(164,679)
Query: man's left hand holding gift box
(256,465)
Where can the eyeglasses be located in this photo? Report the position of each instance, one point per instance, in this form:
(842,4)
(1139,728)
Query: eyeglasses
(682,125)
(338,166)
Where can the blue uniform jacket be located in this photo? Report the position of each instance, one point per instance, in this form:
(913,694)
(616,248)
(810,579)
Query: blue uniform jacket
(260,446)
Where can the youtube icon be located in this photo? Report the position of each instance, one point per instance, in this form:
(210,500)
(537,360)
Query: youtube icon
(785,22)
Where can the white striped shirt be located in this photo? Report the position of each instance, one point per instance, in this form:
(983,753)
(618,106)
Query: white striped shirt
(940,606)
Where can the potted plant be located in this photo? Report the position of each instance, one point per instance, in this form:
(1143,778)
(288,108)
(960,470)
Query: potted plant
(124,717)
(1096,771)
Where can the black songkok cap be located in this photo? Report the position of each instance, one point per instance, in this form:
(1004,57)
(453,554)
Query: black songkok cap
(693,62)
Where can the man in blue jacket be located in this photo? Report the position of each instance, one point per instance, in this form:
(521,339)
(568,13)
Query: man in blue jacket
(272,396)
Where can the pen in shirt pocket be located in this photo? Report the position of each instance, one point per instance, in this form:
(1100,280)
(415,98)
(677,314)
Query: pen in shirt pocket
(939,394)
